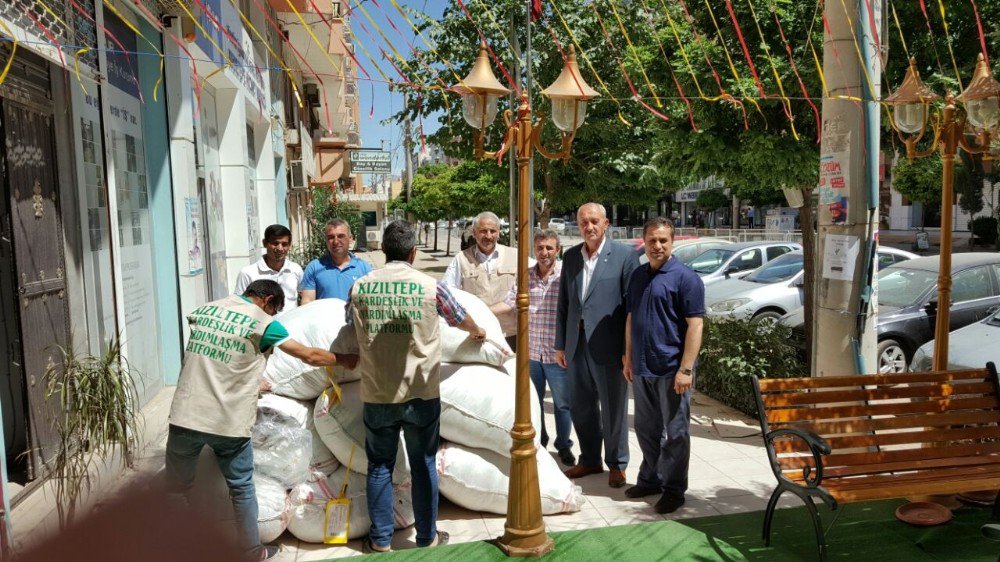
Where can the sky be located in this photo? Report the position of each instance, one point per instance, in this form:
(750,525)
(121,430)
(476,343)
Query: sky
(377,104)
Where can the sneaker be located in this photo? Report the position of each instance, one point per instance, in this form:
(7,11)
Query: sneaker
(368,547)
(641,491)
(268,552)
(668,503)
(566,457)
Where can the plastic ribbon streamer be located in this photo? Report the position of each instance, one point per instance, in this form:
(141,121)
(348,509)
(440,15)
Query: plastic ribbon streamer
(746,50)
(795,69)
(499,28)
(395,4)
(381,34)
(899,28)
(873,27)
(76,68)
(930,31)
(618,59)
(260,37)
(368,54)
(323,48)
(982,37)
(513,83)
(635,54)
(729,57)
(857,49)
(586,59)
(134,29)
(666,59)
(947,41)
(786,104)
(214,72)
(159,26)
(52,38)
(13,51)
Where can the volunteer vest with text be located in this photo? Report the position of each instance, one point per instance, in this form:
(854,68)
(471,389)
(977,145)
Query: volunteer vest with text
(396,319)
(491,288)
(218,385)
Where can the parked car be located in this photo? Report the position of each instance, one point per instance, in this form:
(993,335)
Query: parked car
(907,303)
(738,259)
(970,347)
(685,247)
(769,292)
(557,225)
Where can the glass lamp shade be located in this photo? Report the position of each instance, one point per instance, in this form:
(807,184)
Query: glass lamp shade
(910,117)
(983,114)
(568,114)
(479,110)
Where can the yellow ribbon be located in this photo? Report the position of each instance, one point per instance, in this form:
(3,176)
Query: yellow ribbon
(13,51)
(323,48)
(76,67)
(138,33)
(947,40)
(635,54)
(857,49)
(420,34)
(213,73)
(774,71)
(899,28)
(729,59)
(267,45)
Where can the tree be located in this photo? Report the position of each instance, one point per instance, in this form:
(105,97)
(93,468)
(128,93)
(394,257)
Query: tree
(712,199)
(324,209)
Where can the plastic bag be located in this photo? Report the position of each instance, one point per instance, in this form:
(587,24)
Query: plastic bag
(458,347)
(281,450)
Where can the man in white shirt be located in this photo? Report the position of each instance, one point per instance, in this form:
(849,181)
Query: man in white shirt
(274,265)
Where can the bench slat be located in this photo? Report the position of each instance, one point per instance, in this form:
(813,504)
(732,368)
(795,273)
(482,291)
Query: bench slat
(857,470)
(898,422)
(882,393)
(860,410)
(894,438)
(770,385)
(917,489)
(899,455)
(917,477)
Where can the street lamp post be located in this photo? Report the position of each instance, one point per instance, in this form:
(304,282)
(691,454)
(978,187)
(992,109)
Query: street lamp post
(524,532)
(982,111)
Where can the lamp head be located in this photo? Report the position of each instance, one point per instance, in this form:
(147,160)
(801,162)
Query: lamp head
(480,92)
(569,95)
(910,101)
(982,97)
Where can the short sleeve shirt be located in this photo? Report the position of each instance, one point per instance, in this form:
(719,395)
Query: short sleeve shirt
(289,278)
(660,303)
(330,281)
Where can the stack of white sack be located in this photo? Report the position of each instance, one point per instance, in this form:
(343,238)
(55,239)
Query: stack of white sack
(273,508)
(308,505)
(477,479)
(477,407)
(341,426)
(282,444)
(458,347)
(321,324)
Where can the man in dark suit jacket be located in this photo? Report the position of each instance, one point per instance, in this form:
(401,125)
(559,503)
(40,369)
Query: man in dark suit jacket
(590,343)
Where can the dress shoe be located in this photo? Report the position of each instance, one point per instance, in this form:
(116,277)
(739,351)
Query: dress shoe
(616,479)
(567,458)
(668,503)
(579,471)
(641,491)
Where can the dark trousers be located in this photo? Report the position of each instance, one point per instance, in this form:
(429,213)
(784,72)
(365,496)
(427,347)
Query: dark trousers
(662,426)
(599,405)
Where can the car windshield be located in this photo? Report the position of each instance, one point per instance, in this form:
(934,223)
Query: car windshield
(779,269)
(710,260)
(899,286)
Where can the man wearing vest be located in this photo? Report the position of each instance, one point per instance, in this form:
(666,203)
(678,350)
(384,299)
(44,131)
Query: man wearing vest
(395,312)
(488,269)
(216,399)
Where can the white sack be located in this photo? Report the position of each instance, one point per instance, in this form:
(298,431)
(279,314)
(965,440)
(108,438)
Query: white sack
(458,347)
(319,324)
(273,508)
(477,407)
(477,479)
(308,503)
(341,426)
(282,448)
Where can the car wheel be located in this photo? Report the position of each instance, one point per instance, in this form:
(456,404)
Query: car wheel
(891,357)
(767,317)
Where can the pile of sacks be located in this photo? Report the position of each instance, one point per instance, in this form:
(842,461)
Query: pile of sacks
(310,435)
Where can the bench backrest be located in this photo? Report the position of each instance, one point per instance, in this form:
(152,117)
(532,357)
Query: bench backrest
(884,422)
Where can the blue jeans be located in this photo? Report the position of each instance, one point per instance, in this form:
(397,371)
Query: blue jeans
(556,377)
(420,422)
(235,458)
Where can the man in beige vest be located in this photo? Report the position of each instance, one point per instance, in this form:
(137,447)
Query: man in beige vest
(216,399)
(487,269)
(395,312)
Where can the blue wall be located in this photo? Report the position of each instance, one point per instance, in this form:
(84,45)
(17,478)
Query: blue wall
(161,205)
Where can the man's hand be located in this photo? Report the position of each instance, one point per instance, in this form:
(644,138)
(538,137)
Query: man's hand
(348,360)
(561,358)
(477,334)
(627,368)
(682,382)
(265,386)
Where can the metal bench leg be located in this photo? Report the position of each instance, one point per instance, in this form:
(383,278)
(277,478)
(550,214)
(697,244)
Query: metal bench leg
(818,524)
(996,507)
(769,514)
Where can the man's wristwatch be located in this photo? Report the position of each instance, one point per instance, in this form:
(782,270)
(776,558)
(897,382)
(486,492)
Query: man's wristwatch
(684,371)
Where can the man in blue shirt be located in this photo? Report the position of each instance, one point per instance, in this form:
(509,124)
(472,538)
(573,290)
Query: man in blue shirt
(666,306)
(333,275)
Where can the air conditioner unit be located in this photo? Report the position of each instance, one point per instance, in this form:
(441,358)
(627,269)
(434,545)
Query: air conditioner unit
(297,173)
(374,238)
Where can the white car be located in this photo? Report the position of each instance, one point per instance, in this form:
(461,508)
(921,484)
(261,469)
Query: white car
(737,260)
(557,225)
(763,296)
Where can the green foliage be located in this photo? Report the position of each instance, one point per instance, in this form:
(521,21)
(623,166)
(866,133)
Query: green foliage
(985,229)
(712,199)
(919,180)
(449,192)
(325,209)
(97,415)
(733,350)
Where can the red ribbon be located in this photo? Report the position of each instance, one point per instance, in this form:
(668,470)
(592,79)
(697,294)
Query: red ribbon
(628,80)
(982,37)
(802,86)
(746,51)
(503,69)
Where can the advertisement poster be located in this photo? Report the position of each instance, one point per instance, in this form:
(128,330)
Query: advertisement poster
(192,222)
(834,175)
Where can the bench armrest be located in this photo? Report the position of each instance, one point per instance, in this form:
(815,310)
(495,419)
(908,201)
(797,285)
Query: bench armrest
(818,446)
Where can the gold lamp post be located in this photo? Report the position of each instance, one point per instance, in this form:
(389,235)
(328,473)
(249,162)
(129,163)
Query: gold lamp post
(524,532)
(982,115)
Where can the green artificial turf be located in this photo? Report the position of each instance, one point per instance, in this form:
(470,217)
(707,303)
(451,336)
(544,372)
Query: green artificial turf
(863,532)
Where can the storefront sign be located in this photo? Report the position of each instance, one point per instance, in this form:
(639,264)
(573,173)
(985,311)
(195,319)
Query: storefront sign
(371,161)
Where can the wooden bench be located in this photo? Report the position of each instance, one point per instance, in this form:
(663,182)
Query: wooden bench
(868,437)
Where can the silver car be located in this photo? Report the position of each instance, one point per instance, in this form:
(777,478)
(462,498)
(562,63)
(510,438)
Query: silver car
(970,347)
(766,294)
(737,260)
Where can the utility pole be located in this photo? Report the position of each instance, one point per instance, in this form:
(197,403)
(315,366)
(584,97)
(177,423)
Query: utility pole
(408,156)
(845,341)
